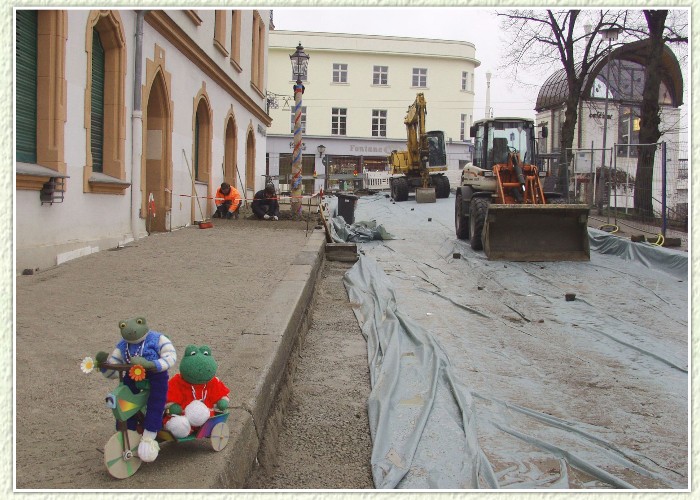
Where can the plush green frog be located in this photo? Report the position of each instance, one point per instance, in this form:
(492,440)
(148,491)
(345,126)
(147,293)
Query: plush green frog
(154,351)
(195,391)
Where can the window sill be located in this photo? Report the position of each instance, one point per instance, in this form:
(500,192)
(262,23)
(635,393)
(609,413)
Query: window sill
(194,17)
(32,177)
(220,47)
(256,89)
(104,184)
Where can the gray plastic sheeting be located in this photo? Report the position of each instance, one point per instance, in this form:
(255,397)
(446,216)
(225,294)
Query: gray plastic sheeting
(423,421)
(670,261)
(550,388)
(413,395)
(358,232)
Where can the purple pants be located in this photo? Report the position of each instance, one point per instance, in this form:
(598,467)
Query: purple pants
(155,407)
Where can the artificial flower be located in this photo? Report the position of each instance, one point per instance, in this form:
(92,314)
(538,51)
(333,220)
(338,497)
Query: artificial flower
(87,365)
(137,373)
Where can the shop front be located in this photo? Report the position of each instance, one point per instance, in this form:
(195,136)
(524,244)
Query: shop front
(338,164)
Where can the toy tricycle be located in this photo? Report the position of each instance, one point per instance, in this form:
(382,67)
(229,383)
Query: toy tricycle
(120,453)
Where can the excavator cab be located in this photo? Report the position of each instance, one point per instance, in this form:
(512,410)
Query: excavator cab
(436,149)
(500,205)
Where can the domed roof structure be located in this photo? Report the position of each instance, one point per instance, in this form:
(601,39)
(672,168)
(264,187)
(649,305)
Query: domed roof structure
(626,79)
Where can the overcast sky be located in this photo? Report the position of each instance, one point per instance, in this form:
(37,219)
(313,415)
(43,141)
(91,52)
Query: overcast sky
(478,26)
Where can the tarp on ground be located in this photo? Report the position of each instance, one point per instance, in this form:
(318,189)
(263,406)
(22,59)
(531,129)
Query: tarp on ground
(673,262)
(422,422)
(426,426)
(584,394)
(359,232)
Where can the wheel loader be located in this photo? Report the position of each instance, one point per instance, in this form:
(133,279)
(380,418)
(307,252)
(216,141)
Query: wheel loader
(421,166)
(500,205)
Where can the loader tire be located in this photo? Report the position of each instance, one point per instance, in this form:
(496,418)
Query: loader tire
(477,216)
(399,189)
(462,218)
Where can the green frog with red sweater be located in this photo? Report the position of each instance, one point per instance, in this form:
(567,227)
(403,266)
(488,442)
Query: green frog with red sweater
(195,393)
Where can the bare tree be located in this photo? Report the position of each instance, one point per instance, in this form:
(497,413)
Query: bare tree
(549,38)
(659,34)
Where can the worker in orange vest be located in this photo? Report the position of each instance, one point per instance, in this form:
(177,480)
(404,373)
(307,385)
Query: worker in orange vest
(228,202)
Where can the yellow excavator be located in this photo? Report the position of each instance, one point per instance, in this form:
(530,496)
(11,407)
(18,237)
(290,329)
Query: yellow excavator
(500,205)
(420,168)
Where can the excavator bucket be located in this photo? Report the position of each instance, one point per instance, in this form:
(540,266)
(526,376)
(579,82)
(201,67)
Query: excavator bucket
(536,233)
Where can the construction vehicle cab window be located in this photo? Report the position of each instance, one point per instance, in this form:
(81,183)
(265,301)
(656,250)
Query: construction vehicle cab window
(502,137)
(500,205)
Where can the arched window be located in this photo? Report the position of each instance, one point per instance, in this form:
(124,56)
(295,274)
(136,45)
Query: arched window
(202,141)
(230,152)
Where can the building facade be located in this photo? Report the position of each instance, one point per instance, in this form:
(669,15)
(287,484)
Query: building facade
(357,91)
(609,118)
(127,121)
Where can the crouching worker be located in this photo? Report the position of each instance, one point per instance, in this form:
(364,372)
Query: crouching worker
(265,204)
(228,201)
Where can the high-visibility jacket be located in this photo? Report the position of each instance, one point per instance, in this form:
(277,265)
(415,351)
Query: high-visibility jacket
(233,196)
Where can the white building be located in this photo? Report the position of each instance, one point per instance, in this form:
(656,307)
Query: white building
(357,91)
(118,107)
(621,122)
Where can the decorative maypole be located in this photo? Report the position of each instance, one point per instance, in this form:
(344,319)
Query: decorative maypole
(300,61)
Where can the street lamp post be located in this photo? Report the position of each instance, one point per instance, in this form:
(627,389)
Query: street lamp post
(609,34)
(300,62)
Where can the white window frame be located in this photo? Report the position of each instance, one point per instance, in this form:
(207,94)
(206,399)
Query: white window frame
(379,122)
(465,80)
(340,73)
(339,121)
(419,78)
(380,73)
(463,128)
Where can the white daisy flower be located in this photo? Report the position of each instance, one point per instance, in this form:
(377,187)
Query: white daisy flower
(87,365)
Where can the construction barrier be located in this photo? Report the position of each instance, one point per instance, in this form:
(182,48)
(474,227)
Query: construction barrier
(376,181)
(309,203)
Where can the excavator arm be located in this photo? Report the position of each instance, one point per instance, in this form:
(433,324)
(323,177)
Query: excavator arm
(416,140)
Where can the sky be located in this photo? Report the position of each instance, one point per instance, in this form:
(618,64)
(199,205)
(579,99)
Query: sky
(478,26)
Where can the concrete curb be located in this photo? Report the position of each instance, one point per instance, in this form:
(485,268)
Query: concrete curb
(279,330)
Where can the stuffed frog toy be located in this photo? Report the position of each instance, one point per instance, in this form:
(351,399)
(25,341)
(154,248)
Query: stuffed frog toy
(194,392)
(142,346)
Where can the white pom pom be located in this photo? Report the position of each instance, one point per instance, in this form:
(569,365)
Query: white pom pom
(197,413)
(178,426)
(148,449)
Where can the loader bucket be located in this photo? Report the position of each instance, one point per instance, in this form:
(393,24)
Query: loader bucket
(536,233)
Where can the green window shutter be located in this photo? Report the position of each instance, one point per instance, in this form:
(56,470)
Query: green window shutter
(196,145)
(26,68)
(97,102)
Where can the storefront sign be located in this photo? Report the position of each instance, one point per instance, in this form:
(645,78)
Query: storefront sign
(380,149)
